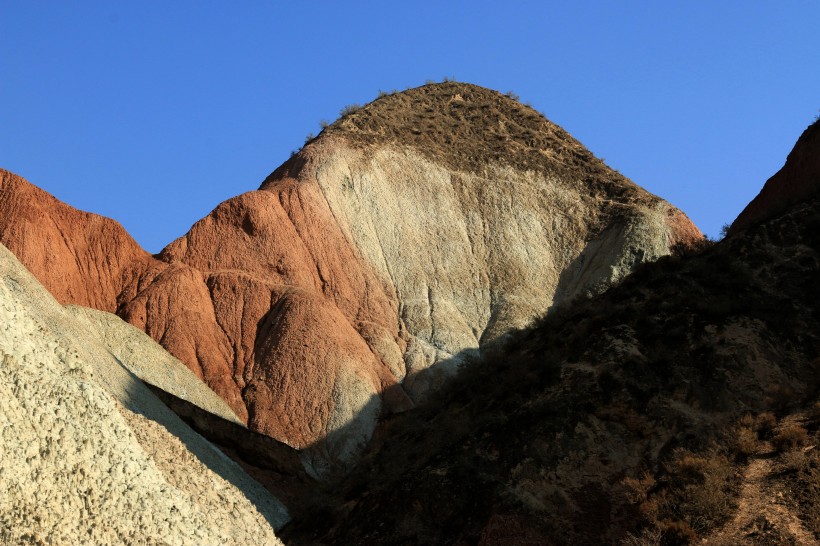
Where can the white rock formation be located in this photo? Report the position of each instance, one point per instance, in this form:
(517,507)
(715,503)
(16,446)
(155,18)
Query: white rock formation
(472,256)
(89,456)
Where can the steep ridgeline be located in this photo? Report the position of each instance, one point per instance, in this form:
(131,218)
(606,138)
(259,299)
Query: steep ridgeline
(406,236)
(88,455)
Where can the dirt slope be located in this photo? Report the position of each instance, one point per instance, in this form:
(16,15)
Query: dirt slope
(366,268)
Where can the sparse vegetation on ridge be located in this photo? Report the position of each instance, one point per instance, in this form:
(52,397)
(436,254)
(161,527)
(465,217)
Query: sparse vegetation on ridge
(466,126)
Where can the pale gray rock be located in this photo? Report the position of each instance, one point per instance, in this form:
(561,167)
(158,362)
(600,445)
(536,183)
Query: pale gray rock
(89,456)
(472,256)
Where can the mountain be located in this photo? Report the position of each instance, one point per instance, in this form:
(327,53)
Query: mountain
(366,269)
(88,454)
(682,406)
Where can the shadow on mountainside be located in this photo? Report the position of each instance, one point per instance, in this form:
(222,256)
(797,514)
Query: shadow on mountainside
(612,419)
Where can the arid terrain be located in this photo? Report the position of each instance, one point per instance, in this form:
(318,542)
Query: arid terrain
(443,321)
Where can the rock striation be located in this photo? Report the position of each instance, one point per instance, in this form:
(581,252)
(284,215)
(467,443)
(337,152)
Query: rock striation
(89,455)
(366,269)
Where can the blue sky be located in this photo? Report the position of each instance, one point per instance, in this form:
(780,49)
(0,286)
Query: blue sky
(153,112)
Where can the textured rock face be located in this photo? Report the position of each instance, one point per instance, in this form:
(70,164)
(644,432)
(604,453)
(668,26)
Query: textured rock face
(80,258)
(367,267)
(796,181)
(89,455)
(469,256)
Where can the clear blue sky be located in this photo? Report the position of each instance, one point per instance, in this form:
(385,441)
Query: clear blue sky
(153,112)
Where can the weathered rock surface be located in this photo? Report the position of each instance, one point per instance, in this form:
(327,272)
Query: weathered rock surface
(89,455)
(798,180)
(368,266)
(81,258)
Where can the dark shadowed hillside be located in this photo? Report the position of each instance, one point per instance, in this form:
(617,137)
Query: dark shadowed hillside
(676,407)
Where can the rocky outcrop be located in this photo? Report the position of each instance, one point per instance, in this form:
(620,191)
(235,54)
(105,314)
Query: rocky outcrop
(89,455)
(88,260)
(798,180)
(365,270)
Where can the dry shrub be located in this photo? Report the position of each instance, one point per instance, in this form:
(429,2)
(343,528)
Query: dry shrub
(697,493)
(637,489)
(762,423)
(794,460)
(702,487)
(765,422)
(801,477)
(790,436)
(651,536)
(350,109)
(690,467)
(745,441)
(747,420)
(677,533)
(691,248)
(671,533)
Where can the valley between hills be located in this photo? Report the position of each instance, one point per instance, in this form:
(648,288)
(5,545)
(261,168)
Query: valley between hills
(442,321)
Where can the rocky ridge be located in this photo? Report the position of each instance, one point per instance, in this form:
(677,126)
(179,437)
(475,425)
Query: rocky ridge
(798,180)
(146,359)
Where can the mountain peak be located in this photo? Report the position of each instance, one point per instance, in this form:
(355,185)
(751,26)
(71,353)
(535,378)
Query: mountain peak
(466,126)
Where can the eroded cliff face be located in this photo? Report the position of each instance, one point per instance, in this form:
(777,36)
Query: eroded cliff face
(82,258)
(89,455)
(464,257)
(365,269)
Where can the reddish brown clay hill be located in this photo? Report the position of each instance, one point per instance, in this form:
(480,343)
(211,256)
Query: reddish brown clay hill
(798,180)
(367,268)
(79,257)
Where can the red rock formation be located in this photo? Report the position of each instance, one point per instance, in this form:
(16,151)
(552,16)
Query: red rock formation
(796,181)
(89,260)
(79,257)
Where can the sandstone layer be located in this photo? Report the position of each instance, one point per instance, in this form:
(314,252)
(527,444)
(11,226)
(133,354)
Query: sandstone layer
(407,236)
(89,455)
